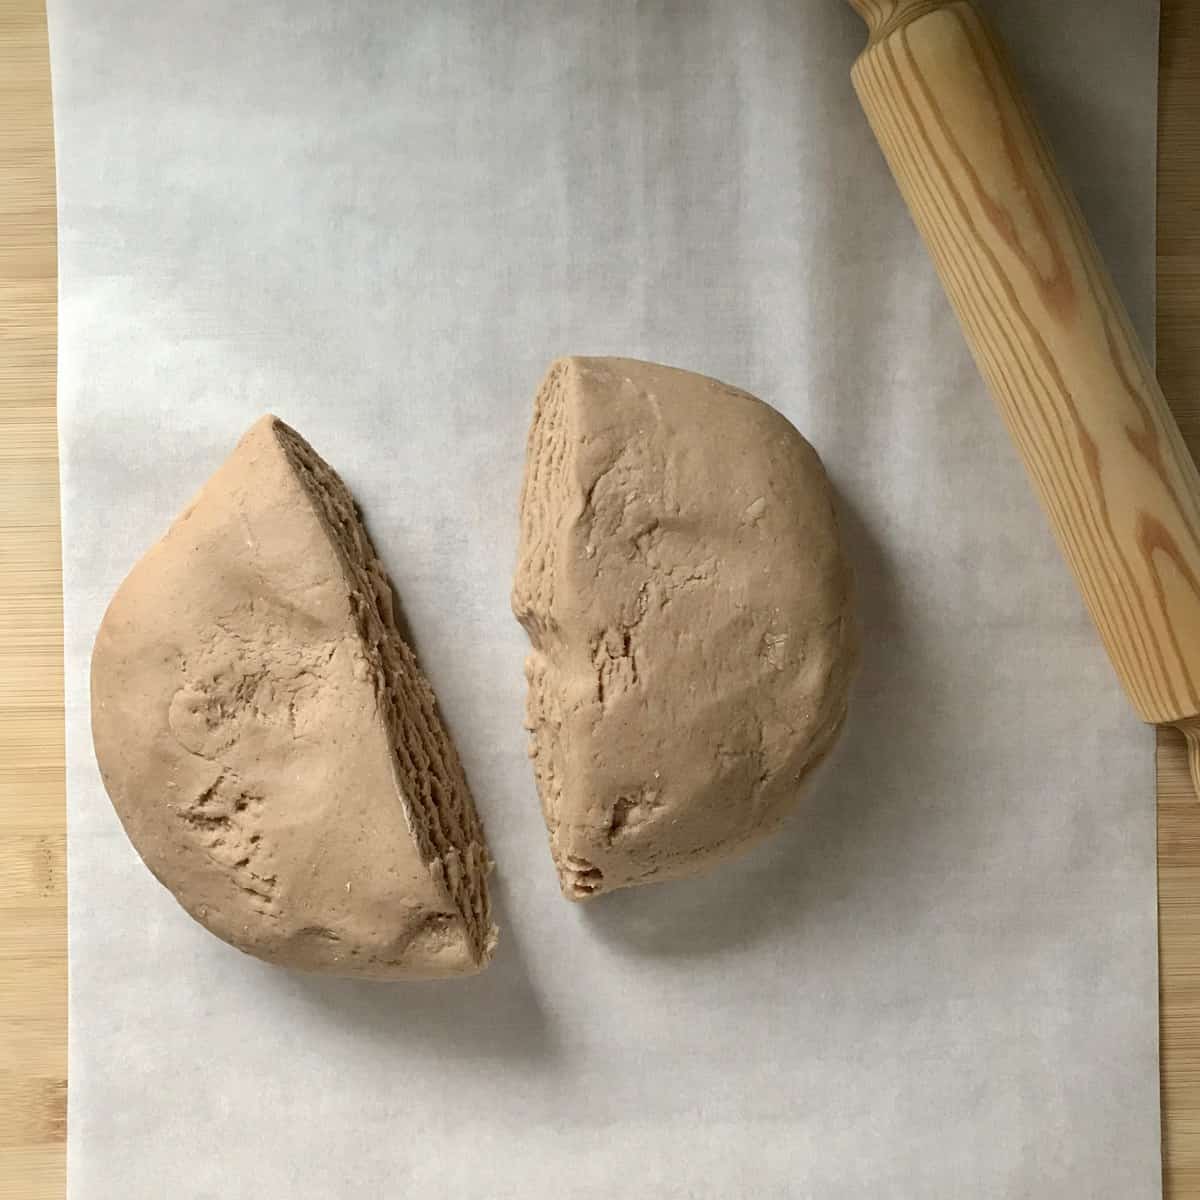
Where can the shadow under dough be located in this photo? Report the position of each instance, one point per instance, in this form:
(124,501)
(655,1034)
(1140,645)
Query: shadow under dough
(496,1014)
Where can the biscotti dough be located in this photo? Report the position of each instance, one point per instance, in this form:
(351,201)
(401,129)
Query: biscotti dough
(685,592)
(270,744)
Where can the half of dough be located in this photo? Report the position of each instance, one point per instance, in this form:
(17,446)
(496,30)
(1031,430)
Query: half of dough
(683,585)
(269,742)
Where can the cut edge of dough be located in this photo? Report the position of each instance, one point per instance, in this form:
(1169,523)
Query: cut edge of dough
(436,799)
(544,505)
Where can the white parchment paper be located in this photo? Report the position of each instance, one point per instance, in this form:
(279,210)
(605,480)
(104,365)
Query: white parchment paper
(381,221)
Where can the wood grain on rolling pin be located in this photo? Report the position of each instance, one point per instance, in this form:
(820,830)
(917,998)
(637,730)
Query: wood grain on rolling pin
(1049,333)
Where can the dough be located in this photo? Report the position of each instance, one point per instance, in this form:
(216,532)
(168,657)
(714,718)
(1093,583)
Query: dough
(683,587)
(270,744)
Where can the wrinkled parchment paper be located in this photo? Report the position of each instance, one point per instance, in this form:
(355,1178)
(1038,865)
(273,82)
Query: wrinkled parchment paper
(381,221)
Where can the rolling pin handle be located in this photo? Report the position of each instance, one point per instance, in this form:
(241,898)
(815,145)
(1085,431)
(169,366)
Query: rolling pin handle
(1191,731)
(883,16)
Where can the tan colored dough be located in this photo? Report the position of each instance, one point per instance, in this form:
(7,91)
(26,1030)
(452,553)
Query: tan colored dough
(269,742)
(685,592)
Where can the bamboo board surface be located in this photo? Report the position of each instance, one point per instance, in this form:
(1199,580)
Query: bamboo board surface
(33,914)
(32,823)
(1178,809)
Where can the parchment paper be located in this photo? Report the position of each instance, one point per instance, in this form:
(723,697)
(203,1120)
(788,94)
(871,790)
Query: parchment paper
(381,221)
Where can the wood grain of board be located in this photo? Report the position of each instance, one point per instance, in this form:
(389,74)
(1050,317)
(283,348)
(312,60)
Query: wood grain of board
(1178,811)
(32,828)
(33,967)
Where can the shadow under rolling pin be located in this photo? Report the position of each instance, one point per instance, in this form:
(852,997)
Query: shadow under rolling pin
(1050,335)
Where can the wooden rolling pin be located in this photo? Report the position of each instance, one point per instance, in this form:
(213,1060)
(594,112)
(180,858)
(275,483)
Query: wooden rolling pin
(1050,335)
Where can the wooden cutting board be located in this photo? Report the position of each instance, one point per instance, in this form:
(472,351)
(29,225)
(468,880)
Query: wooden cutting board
(1178,809)
(33,971)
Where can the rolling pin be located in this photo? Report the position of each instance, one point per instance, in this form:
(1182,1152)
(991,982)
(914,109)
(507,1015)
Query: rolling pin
(1049,334)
